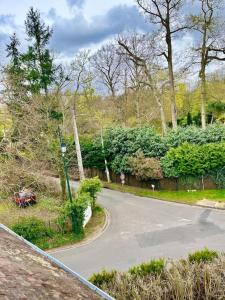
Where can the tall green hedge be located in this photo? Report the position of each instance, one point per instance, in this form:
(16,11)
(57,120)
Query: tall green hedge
(193,160)
(122,143)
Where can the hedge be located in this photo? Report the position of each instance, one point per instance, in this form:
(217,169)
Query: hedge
(193,160)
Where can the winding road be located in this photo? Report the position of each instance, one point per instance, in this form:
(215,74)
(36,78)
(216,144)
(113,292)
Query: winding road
(143,228)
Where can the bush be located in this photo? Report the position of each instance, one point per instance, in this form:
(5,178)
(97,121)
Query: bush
(205,255)
(104,277)
(31,229)
(120,164)
(121,143)
(92,154)
(145,168)
(155,266)
(214,133)
(193,160)
(179,280)
(92,186)
(75,212)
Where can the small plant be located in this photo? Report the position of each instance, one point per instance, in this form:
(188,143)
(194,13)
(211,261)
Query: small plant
(104,276)
(155,266)
(204,255)
(31,229)
(92,186)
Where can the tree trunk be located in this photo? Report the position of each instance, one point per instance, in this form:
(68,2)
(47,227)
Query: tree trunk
(171,81)
(105,160)
(162,115)
(77,143)
(203,78)
(203,101)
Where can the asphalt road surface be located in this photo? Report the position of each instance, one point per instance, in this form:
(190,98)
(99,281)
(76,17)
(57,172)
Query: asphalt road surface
(143,228)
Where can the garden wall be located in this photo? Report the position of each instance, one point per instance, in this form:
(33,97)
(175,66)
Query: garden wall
(169,184)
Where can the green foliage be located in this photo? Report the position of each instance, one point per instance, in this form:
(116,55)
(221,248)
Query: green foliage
(120,164)
(129,141)
(155,266)
(214,133)
(216,107)
(121,143)
(59,239)
(204,255)
(75,212)
(193,160)
(145,168)
(31,229)
(34,67)
(219,177)
(92,154)
(91,186)
(102,277)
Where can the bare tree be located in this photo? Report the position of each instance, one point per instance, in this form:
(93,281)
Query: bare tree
(107,64)
(165,14)
(208,25)
(137,48)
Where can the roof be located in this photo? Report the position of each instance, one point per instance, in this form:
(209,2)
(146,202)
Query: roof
(26,272)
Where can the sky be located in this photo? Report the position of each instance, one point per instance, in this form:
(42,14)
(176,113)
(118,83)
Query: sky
(81,24)
(77,24)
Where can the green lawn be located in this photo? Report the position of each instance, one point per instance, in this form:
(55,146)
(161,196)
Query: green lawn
(174,196)
(47,210)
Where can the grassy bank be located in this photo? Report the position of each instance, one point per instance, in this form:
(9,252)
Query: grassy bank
(64,239)
(47,210)
(173,196)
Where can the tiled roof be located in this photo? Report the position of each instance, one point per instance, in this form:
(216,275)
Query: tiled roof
(27,273)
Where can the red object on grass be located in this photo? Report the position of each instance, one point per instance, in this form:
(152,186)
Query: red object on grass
(24,198)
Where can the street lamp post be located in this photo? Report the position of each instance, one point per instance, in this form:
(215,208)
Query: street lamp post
(63,150)
(73,216)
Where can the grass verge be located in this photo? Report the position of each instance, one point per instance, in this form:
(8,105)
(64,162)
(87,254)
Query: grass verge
(172,196)
(47,210)
(65,239)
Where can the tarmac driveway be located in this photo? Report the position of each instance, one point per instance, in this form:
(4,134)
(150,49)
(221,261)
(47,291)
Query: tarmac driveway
(143,228)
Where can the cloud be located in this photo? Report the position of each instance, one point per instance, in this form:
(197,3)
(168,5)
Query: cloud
(78,32)
(76,3)
(7,20)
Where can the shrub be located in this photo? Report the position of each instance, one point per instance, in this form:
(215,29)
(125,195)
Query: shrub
(103,277)
(155,266)
(120,164)
(214,133)
(145,168)
(92,154)
(129,141)
(75,212)
(121,143)
(204,255)
(31,229)
(193,160)
(92,186)
(179,280)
